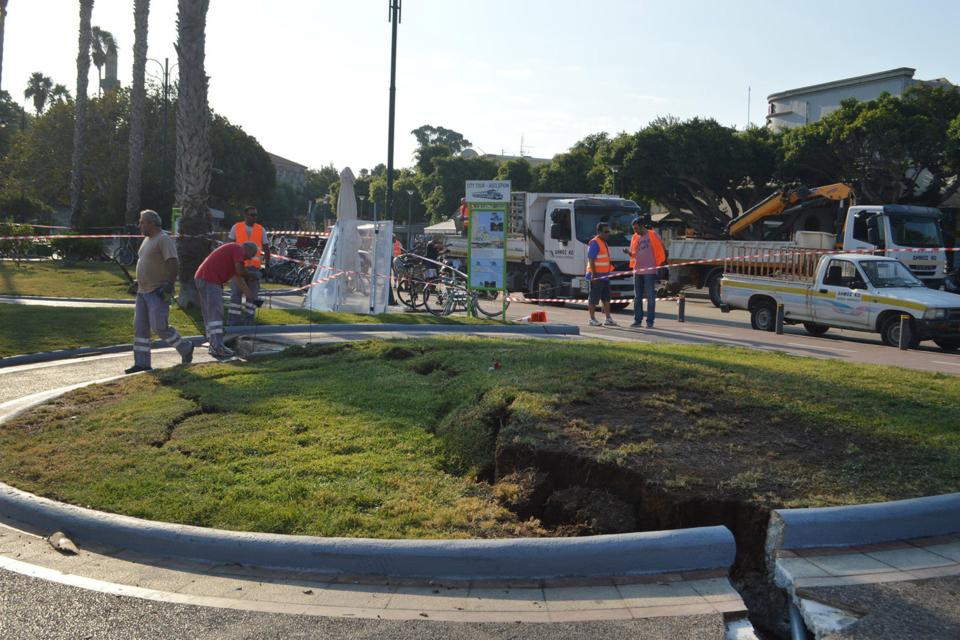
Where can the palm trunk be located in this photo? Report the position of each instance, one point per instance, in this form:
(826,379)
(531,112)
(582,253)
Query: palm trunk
(80,116)
(194,158)
(3,24)
(141,14)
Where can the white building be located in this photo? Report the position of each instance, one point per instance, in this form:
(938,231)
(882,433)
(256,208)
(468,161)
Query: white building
(797,107)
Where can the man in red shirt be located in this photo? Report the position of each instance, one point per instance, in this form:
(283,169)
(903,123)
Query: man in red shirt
(224,264)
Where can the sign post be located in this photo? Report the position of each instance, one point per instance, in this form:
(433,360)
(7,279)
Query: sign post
(488,202)
(175,220)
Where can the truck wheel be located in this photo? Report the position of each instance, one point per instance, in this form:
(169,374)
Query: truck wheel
(546,281)
(948,344)
(815,329)
(890,332)
(763,316)
(713,286)
(619,306)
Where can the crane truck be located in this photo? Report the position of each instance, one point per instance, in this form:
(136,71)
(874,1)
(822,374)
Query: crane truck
(547,239)
(819,219)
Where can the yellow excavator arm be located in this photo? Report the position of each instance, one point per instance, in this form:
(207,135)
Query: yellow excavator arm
(779,202)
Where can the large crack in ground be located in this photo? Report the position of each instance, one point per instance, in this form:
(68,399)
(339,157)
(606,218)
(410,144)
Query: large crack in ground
(573,494)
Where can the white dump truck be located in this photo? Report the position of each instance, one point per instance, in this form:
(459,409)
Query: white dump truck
(845,290)
(822,218)
(547,241)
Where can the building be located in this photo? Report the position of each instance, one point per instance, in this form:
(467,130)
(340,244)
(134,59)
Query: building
(289,172)
(797,107)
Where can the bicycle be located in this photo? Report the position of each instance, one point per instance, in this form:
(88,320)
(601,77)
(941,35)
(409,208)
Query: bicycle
(450,294)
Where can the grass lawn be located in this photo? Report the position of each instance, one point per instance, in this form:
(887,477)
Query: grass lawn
(57,279)
(30,329)
(387,439)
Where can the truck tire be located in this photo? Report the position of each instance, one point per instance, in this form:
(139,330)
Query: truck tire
(619,306)
(545,280)
(815,329)
(763,315)
(890,332)
(948,344)
(713,287)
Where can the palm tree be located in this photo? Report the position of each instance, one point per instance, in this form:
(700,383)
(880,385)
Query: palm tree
(194,158)
(60,93)
(3,22)
(80,114)
(141,14)
(38,88)
(104,45)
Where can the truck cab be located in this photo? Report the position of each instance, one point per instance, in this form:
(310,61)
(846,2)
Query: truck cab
(906,233)
(572,223)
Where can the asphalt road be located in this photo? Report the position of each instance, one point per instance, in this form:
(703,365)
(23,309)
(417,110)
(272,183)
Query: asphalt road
(705,324)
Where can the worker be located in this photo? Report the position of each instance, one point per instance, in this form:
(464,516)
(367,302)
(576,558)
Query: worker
(646,254)
(599,266)
(397,248)
(248,231)
(156,272)
(465,216)
(225,263)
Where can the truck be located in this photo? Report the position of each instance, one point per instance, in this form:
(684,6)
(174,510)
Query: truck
(547,238)
(845,290)
(819,219)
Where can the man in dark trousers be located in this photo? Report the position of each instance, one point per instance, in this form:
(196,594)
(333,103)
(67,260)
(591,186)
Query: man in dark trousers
(224,264)
(646,254)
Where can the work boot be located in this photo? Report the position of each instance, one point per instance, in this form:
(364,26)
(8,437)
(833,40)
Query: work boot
(137,369)
(187,357)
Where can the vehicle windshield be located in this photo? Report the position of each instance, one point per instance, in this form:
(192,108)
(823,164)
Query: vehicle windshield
(884,274)
(619,220)
(915,231)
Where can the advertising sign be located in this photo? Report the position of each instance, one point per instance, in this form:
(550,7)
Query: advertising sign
(489,205)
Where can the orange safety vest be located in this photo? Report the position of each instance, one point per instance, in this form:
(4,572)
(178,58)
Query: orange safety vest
(257,237)
(659,255)
(397,249)
(465,213)
(602,261)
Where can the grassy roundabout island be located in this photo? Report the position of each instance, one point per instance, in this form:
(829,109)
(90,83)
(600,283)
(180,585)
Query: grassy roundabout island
(426,439)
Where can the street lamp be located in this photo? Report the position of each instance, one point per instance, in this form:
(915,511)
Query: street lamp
(409,218)
(167,70)
(613,170)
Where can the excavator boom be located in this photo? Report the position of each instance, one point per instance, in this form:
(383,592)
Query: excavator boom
(781,201)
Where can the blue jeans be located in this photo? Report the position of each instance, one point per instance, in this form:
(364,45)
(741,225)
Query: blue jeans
(644,286)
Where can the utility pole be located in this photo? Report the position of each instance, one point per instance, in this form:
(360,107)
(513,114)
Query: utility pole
(748,106)
(394,19)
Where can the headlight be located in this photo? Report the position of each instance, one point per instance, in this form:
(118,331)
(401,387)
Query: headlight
(935,314)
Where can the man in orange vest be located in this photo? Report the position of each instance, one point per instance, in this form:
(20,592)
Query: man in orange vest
(646,254)
(248,231)
(599,266)
(465,216)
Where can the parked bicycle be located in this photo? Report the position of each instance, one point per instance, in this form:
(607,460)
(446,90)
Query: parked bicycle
(450,294)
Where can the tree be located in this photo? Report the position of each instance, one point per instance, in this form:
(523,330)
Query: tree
(194,157)
(80,114)
(104,46)
(3,24)
(518,172)
(428,135)
(442,189)
(38,88)
(245,175)
(568,172)
(138,91)
(60,94)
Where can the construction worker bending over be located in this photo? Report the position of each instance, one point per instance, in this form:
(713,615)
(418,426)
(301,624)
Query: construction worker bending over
(156,273)
(224,264)
(248,231)
(599,267)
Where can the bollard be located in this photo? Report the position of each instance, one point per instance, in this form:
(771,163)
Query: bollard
(681,308)
(541,293)
(905,337)
(779,326)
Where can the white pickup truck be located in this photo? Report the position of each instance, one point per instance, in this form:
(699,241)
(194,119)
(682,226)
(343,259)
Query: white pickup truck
(848,291)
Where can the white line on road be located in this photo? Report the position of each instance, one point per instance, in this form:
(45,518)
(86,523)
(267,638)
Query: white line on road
(709,333)
(952,364)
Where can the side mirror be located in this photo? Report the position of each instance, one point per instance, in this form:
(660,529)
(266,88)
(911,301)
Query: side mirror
(559,232)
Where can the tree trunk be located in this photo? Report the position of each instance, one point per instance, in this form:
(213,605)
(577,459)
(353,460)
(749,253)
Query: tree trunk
(141,14)
(80,116)
(3,24)
(194,158)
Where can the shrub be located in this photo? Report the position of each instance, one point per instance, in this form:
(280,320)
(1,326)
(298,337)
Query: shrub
(78,248)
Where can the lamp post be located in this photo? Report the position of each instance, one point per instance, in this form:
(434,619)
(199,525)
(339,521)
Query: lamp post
(613,170)
(409,218)
(167,70)
(394,19)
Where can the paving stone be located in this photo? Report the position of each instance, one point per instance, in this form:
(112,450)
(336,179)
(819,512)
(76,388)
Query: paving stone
(583,598)
(715,590)
(950,550)
(358,596)
(849,564)
(429,599)
(801,568)
(506,600)
(911,558)
(659,595)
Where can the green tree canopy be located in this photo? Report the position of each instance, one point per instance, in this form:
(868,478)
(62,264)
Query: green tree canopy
(518,172)
(428,136)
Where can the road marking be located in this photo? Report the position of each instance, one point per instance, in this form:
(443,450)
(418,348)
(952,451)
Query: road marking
(812,346)
(952,364)
(709,333)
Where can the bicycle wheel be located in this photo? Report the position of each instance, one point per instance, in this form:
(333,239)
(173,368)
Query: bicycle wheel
(438,298)
(490,303)
(406,293)
(125,255)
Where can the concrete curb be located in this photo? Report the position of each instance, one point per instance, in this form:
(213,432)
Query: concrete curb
(56,299)
(862,524)
(61,354)
(633,554)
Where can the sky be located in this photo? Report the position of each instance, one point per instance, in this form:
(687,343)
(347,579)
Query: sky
(310,78)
